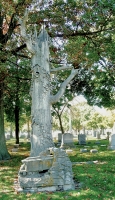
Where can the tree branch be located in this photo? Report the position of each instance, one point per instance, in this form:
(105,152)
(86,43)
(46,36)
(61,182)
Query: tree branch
(19,48)
(55,98)
(78,33)
(26,37)
(53,70)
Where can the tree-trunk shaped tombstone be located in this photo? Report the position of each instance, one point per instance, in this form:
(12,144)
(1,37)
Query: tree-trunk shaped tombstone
(48,168)
(38,45)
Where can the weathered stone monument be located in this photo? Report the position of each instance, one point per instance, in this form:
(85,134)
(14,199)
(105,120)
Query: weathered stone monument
(50,171)
(82,139)
(48,168)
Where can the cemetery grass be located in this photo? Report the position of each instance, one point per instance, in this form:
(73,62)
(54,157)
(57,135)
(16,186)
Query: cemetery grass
(96,181)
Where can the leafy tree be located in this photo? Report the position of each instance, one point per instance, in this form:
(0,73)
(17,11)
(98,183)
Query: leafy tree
(87,117)
(9,47)
(17,92)
(87,29)
(81,114)
(94,84)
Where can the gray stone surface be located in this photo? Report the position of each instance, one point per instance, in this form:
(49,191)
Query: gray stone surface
(94,151)
(69,151)
(83,150)
(82,139)
(45,175)
(87,162)
(67,140)
(98,135)
(37,163)
(112,142)
(15,150)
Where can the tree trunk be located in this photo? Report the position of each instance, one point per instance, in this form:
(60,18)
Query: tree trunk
(11,135)
(60,122)
(17,123)
(41,137)
(28,127)
(4,155)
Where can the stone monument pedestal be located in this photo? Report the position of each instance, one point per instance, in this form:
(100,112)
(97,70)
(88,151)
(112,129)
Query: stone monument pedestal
(50,171)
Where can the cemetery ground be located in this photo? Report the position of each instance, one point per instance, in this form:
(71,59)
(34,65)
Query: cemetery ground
(94,180)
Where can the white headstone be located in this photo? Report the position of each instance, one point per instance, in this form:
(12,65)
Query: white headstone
(8,137)
(94,151)
(82,138)
(98,135)
(15,150)
(83,150)
(67,138)
(112,142)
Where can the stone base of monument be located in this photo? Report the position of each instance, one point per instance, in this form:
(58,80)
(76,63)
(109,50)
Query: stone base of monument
(50,171)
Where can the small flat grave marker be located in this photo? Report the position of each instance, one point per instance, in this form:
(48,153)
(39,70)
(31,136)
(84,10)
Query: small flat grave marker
(83,150)
(97,142)
(16,145)
(94,151)
(15,150)
(103,145)
(69,151)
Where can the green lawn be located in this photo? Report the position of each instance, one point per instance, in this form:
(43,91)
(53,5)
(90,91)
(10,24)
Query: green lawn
(97,180)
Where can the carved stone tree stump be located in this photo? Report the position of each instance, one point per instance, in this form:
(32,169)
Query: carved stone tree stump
(47,168)
(41,137)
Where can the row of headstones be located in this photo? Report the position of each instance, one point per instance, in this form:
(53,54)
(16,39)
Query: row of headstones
(68,138)
(111,144)
(97,134)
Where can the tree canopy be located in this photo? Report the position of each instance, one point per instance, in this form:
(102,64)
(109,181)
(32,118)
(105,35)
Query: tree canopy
(81,33)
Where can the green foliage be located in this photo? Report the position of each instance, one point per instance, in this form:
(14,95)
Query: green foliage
(17,86)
